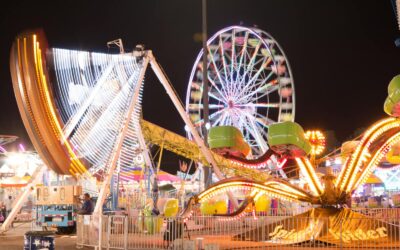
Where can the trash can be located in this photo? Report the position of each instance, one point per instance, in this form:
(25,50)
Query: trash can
(35,240)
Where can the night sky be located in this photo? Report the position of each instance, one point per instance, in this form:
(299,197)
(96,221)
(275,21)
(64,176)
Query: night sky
(342,53)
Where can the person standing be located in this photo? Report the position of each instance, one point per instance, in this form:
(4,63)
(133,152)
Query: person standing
(87,206)
(2,212)
(8,205)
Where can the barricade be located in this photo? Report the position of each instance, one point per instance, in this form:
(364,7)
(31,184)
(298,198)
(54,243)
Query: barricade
(367,229)
(391,215)
(87,230)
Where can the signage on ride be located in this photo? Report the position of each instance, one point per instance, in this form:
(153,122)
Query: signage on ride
(280,233)
(328,226)
(360,234)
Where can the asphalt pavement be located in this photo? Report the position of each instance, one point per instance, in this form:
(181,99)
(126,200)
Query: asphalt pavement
(14,238)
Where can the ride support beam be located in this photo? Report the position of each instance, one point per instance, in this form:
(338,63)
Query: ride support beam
(207,171)
(179,106)
(98,209)
(117,151)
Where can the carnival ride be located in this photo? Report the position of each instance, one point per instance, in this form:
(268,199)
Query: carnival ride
(250,85)
(332,194)
(82,112)
(373,146)
(88,105)
(182,146)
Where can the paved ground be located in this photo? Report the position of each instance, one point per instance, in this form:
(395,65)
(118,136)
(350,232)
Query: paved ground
(14,239)
(17,242)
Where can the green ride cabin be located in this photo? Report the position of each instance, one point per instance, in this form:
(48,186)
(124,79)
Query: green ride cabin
(287,138)
(228,140)
(392,102)
(284,138)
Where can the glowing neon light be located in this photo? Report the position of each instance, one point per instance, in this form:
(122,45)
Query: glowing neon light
(76,165)
(347,168)
(349,171)
(309,173)
(94,92)
(317,140)
(379,154)
(272,188)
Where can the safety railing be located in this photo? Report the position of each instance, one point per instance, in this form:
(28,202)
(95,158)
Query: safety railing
(391,215)
(87,230)
(281,211)
(311,231)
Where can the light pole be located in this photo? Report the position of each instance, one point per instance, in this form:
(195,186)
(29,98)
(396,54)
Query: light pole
(207,171)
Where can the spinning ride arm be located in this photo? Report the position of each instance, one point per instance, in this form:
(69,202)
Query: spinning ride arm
(374,145)
(182,146)
(376,142)
(273,187)
(29,77)
(248,202)
(307,169)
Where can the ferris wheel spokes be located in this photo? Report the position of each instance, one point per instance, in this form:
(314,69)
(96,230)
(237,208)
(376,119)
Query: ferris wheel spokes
(251,85)
(224,64)
(257,132)
(218,90)
(244,69)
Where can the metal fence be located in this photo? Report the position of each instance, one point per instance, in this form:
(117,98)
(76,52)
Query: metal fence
(377,230)
(281,211)
(391,215)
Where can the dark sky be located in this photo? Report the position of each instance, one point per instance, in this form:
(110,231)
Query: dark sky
(342,53)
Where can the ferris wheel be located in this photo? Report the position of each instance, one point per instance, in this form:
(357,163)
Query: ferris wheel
(250,84)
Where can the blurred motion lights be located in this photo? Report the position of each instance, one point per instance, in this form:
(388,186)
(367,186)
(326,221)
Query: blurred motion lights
(317,140)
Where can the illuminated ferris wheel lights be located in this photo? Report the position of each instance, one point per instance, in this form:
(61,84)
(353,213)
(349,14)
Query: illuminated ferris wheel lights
(250,84)
(286,92)
(186,128)
(317,140)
